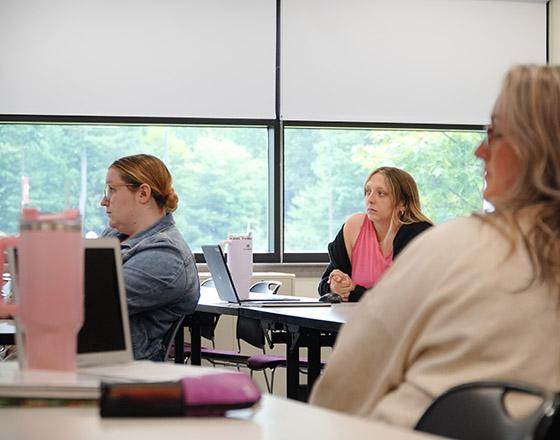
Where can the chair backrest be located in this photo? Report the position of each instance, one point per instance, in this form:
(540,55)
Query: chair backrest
(208,282)
(476,411)
(169,337)
(266,286)
(250,330)
(208,321)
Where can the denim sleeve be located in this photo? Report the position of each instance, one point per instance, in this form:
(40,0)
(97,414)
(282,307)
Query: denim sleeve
(157,276)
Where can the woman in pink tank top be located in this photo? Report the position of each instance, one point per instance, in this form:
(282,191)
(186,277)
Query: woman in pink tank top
(368,242)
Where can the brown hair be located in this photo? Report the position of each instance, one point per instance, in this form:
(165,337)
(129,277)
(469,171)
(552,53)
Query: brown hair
(144,168)
(528,108)
(403,189)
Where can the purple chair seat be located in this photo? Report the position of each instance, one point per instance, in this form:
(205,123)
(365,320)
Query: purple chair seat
(261,361)
(218,357)
(224,355)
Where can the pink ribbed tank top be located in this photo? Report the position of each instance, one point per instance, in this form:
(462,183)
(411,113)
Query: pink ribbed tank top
(368,263)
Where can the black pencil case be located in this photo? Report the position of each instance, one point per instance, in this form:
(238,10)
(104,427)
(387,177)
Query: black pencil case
(202,396)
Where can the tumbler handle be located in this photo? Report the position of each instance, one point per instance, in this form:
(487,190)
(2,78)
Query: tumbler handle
(6,310)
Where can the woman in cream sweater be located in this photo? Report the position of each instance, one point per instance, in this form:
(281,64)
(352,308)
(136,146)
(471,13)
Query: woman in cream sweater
(475,298)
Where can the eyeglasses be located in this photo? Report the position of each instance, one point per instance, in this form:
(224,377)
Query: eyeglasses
(112,189)
(491,135)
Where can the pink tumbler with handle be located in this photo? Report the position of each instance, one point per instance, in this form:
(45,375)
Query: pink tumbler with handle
(50,285)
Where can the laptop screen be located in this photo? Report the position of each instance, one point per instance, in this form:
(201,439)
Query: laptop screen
(220,273)
(224,284)
(103,317)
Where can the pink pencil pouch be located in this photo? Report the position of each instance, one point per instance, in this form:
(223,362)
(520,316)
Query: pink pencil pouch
(203,396)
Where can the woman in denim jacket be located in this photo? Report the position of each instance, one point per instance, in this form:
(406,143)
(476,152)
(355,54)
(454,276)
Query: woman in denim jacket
(160,274)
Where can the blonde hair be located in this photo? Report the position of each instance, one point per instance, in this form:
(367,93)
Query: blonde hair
(403,189)
(144,168)
(528,109)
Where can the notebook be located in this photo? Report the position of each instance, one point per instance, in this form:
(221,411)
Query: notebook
(226,290)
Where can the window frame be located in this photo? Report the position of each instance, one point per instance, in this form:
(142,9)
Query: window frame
(276,130)
(323,257)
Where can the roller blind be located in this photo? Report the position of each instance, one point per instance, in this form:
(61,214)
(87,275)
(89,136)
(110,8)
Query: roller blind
(406,61)
(188,58)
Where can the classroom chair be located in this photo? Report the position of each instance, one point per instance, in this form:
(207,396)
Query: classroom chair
(477,411)
(265,286)
(218,357)
(169,337)
(252,332)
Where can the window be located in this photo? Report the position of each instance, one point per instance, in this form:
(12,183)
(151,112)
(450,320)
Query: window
(325,170)
(221,174)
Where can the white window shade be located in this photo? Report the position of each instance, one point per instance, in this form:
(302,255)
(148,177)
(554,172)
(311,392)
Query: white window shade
(407,61)
(188,58)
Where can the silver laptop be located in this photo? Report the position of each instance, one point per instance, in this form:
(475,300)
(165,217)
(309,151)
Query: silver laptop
(226,290)
(104,338)
(104,343)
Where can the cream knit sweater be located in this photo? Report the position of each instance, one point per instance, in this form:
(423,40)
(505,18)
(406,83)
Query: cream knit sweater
(445,313)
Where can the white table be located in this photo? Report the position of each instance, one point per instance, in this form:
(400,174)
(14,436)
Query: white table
(275,418)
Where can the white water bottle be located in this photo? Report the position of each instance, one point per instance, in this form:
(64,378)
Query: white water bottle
(240,261)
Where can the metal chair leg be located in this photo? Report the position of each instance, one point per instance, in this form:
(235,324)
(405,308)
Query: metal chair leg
(268,384)
(272,380)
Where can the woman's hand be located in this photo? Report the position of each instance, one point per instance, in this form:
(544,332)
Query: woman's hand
(341,283)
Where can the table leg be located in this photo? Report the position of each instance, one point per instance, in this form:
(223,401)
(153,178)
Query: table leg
(314,359)
(179,344)
(195,340)
(292,367)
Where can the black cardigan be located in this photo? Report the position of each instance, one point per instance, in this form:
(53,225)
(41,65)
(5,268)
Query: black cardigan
(339,257)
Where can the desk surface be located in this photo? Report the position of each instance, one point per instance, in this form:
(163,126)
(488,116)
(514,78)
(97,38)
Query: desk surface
(210,302)
(322,318)
(275,418)
(7,326)
(7,332)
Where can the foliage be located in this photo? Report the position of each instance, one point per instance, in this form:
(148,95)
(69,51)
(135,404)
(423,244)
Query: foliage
(221,175)
(327,187)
